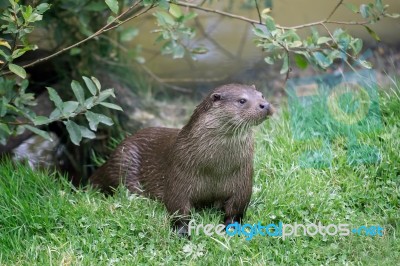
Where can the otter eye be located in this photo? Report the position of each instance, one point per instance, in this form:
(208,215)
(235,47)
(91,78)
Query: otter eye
(242,101)
(263,96)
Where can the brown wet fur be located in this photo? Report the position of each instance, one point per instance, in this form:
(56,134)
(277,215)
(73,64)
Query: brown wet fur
(208,162)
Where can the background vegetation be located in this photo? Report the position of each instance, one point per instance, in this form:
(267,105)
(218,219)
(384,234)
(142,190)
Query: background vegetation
(47,221)
(81,35)
(62,62)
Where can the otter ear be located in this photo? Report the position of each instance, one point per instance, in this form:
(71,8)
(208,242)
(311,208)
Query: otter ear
(216,97)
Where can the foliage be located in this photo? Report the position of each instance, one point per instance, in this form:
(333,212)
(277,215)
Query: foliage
(47,221)
(19,23)
(320,51)
(173,31)
(16,114)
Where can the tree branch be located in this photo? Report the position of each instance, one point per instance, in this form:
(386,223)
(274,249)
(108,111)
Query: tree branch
(129,19)
(258,11)
(334,9)
(97,33)
(252,21)
(111,25)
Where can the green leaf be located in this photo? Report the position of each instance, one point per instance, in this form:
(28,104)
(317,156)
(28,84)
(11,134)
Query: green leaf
(4,128)
(394,15)
(335,54)
(289,36)
(93,6)
(69,107)
(164,18)
(3,106)
(314,34)
(94,119)
(300,61)
(285,65)
(75,51)
(113,5)
(140,59)
(5,43)
(74,131)
(189,16)
(110,19)
(365,64)
(164,4)
(199,50)
(17,70)
(372,33)
(90,85)
(323,39)
(175,11)
(270,23)
(357,45)
(78,91)
(97,83)
(105,120)
(55,115)
(41,120)
(147,2)
(269,60)
(351,7)
(178,51)
(55,98)
(260,33)
(27,12)
(322,60)
(89,102)
(4,55)
(295,44)
(128,34)
(105,94)
(365,11)
(43,7)
(379,6)
(39,132)
(111,105)
(33,18)
(87,133)
(18,52)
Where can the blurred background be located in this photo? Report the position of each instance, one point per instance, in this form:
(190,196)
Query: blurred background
(156,90)
(230,42)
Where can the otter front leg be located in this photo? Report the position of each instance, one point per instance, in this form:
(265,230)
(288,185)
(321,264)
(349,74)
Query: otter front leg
(234,211)
(179,208)
(235,207)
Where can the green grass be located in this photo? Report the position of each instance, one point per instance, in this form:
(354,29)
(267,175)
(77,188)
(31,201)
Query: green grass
(45,221)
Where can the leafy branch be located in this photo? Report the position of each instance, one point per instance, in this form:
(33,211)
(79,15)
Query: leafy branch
(301,26)
(16,114)
(13,107)
(113,23)
(319,51)
(172,29)
(279,42)
(20,20)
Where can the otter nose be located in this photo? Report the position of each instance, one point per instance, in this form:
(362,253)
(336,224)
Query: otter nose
(267,107)
(264,105)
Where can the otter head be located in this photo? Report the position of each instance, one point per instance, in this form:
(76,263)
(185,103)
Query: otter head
(233,108)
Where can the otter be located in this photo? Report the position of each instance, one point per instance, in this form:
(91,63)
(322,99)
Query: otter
(207,162)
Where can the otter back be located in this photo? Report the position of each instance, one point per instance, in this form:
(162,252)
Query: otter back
(138,163)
